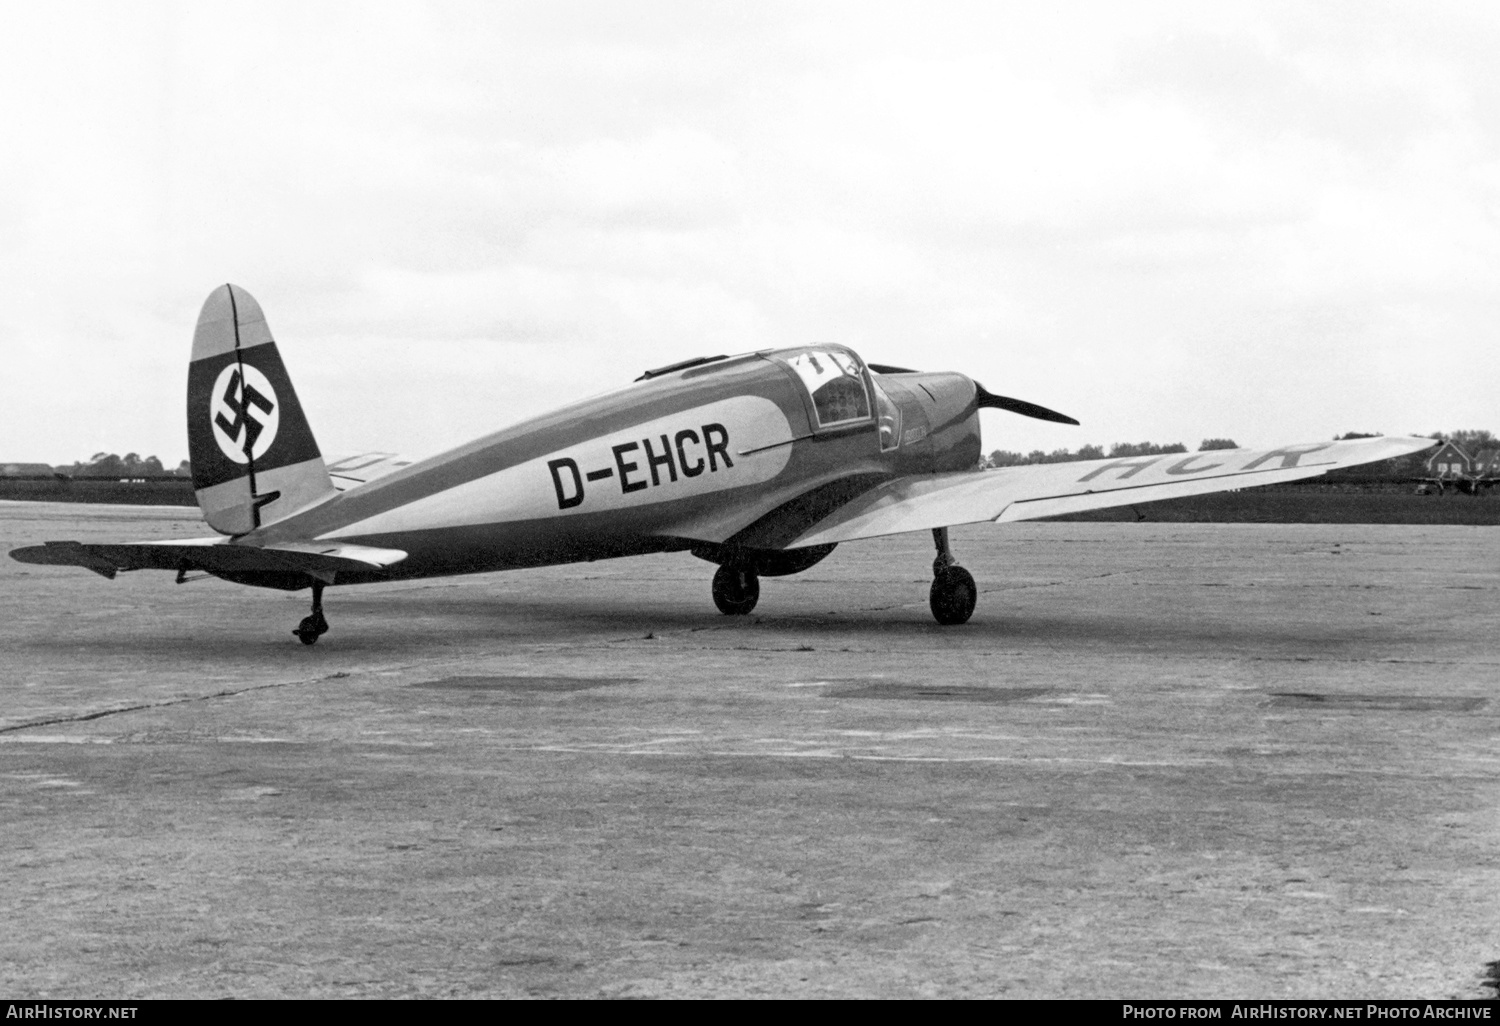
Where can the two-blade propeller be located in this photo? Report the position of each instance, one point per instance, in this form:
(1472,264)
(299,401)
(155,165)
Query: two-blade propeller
(986,399)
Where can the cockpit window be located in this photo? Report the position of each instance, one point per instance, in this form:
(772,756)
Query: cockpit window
(834,381)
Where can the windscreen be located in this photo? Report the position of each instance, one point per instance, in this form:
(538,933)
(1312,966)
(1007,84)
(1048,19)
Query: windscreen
(835,382)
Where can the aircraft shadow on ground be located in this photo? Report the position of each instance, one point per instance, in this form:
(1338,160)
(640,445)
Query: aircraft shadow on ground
(410,621)
(897,625)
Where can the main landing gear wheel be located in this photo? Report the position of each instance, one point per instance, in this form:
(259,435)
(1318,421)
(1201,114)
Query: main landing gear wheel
(315,626)
(954,593)
(736,590)
(953,596)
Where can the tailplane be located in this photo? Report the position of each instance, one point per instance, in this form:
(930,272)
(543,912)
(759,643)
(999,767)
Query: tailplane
(254,457)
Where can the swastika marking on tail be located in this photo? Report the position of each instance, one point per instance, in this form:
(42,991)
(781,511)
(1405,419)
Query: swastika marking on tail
(244,413)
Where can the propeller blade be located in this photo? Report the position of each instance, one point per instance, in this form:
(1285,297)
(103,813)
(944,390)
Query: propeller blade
(985,398)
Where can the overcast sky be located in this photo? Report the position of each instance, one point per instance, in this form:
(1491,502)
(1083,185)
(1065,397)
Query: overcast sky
(1171,221)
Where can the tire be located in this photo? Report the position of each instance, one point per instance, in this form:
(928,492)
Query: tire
(953,596)
(736,590)
(311,629)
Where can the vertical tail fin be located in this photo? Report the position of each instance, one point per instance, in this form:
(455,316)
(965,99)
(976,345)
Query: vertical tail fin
(254,457)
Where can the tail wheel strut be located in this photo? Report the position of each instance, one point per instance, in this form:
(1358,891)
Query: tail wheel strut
(314,626)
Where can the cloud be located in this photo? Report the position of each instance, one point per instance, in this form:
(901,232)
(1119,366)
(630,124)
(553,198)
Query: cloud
(1173,220)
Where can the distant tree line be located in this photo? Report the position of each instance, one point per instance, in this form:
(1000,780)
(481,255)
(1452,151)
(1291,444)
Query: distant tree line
(1471,442)
(108,464)
(1120,450)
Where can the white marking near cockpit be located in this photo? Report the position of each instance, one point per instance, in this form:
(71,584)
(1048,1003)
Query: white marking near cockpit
(667,458)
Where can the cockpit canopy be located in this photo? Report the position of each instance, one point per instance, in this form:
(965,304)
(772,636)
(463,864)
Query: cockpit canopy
(836,382)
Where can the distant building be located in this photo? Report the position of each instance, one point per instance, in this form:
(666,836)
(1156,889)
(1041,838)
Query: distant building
(25,470)
(1450,465)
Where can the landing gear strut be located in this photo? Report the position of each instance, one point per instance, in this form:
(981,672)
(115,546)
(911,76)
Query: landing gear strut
(736,589)
(313,627)
(953,593)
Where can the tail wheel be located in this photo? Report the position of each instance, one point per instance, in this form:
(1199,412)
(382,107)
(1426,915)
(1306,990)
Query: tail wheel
(311,629)
(953,596)
(314,626)
(736,590)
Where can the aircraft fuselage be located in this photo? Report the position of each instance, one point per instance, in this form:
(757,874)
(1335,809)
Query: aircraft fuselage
(693,459)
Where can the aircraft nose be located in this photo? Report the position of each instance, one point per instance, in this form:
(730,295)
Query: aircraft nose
(945,397)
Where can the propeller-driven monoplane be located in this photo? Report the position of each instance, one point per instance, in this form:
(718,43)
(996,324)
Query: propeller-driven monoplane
(760,463)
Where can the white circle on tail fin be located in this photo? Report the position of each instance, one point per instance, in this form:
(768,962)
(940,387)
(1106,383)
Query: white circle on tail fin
(243,412)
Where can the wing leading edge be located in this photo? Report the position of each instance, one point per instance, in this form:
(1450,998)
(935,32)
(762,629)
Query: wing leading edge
(1044,490)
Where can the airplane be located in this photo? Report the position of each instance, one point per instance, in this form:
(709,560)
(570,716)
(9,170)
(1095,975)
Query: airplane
(760,463)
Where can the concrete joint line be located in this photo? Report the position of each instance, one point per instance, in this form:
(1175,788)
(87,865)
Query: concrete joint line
(84,717)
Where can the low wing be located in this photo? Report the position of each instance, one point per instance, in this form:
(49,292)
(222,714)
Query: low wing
(317,559)
(1044,490)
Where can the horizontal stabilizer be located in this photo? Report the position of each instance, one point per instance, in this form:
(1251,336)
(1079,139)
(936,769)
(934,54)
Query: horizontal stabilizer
(214,555)
(351,471)
(1049,489)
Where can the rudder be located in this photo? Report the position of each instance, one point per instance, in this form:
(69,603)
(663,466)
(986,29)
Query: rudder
(254,457)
